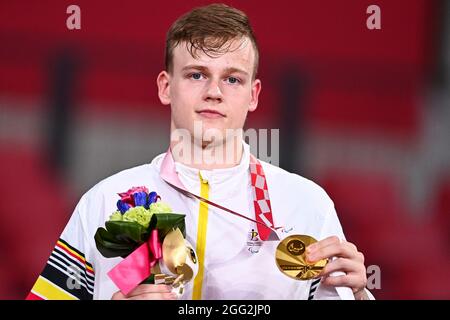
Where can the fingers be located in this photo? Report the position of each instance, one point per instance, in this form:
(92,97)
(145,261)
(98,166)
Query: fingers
(146,296)
(322,248)
(353,281)
(118,296)
(155,296)
(349,260)
(325,242)
(332,247)
(147,292)
(345,265)
(149,288)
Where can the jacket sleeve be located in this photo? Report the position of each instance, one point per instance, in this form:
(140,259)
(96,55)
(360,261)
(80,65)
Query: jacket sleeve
(68,273)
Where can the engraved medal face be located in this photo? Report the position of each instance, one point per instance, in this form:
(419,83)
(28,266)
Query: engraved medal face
(290,258)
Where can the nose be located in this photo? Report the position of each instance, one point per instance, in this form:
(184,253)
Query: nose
(213,91)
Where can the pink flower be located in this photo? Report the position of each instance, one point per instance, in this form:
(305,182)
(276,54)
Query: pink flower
(127,197)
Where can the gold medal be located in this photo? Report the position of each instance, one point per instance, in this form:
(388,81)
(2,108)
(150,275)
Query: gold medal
(291,258)
(179,264)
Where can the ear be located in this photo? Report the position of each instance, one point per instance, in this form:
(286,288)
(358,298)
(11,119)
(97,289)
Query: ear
(256,89)
(163,83)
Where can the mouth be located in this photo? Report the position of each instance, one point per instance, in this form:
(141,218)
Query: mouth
(210,114)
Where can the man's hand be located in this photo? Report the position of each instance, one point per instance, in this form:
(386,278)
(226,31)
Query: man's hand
(147,292)
(348,259)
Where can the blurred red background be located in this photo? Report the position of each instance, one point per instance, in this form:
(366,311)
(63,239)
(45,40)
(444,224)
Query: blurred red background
(365,113)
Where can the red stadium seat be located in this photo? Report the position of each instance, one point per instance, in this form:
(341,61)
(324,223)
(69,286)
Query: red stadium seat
(35,208)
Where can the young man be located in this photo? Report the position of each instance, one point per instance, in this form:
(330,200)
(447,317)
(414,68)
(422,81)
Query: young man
(210,84)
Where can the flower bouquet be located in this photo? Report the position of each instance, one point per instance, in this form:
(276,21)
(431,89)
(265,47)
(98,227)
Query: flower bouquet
(151,239)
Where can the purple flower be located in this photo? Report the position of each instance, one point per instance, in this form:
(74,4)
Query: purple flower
(152,197)
(140,199)
(123,206)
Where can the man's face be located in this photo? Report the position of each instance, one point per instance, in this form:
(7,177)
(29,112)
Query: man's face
(217,91)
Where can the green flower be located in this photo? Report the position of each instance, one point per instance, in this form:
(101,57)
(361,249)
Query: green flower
(116,216)
(160,207)
(139,215)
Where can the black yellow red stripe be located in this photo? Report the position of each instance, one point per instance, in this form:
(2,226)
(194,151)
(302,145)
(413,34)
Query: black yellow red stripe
(74,253)
(67,275)
(49,291)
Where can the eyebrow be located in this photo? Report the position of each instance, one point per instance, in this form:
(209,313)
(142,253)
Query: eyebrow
(205,69)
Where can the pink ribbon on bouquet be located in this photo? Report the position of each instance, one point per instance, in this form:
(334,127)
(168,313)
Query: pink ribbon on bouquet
(135,268)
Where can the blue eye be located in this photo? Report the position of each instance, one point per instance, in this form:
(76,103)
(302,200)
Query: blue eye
(233,80)
(196,76)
